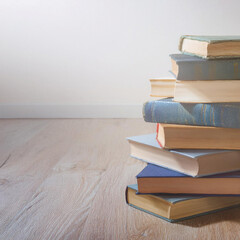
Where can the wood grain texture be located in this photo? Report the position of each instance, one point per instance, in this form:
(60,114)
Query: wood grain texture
(66,179)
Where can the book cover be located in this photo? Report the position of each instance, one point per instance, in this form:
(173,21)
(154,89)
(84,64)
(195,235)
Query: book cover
(225,115)
(154,171)
(194,162)
(177,136)
(212,39)
(156,179)
(210,47)
(150,140)
(196,68)
(173,200)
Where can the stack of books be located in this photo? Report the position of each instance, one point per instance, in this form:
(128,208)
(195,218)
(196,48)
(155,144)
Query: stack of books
(193,160)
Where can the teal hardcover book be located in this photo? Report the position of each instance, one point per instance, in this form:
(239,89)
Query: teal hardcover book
(174,208)
(210,46)
(225,115)
(186,67)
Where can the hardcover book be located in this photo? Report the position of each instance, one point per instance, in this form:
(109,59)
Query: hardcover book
(156,179)
(211,46)
(211,91)
(189,161)
(226,115)
(186,67)
(174,208)
(173,136)
(163,86)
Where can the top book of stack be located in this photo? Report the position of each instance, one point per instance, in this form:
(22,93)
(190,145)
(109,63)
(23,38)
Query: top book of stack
(210,47)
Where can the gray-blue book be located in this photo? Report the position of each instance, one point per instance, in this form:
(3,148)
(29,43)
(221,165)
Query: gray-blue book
(186,67)
(188,161)
(174,208)
(226,115)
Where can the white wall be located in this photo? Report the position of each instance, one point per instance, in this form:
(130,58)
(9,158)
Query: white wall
(84,55)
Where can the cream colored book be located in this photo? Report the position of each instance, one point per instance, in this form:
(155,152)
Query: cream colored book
(211,46)
(197,91)
(163,87)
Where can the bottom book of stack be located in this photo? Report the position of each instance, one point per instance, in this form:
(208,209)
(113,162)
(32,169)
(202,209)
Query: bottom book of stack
(175,207)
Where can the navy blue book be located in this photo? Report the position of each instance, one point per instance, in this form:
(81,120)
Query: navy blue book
(156,179)
(225,115)
(174,208)
(186,67)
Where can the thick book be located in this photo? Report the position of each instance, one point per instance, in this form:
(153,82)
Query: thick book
(210,46)
(174,208)
(156,179)
(191,162)
(226,115)
(175,136)
(186,67)
(211,91)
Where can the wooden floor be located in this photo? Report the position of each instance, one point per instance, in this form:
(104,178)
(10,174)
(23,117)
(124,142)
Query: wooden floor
(66,179)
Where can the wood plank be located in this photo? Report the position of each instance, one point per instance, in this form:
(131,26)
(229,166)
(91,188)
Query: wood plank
(31,164)
(15,133)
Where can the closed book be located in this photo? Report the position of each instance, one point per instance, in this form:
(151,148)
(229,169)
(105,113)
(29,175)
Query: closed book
(174,208)
(156,179)
(186,67)
(164,86)
(225,115)
(189,161)
(210,46)
(197,91)
(175,136)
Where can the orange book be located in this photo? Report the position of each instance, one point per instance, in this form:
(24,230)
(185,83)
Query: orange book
(174,136)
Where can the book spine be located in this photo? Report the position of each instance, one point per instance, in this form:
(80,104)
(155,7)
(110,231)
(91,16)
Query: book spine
(214,115)
(209,70)
(180,43)
(160,144)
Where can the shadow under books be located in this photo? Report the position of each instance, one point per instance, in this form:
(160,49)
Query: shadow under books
(229,215)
